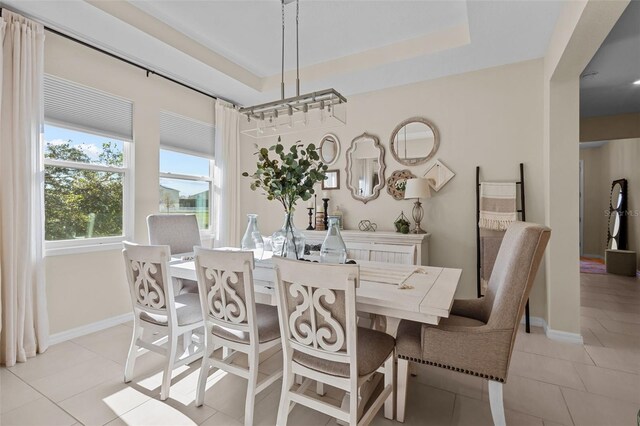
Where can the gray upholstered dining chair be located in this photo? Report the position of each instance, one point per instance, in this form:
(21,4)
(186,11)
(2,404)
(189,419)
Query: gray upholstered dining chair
(234,321)
(156,309)
(181,233)
(478,336)
(321,341)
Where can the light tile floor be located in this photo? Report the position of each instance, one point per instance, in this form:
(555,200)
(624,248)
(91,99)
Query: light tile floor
(550,383)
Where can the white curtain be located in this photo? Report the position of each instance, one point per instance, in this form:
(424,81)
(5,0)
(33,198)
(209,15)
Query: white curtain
(24,315)
(227,175)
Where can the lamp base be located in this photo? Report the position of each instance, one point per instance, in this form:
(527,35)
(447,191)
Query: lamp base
(418,230)
(418,214)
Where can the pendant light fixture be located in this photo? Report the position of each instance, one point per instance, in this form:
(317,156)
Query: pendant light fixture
(324,108)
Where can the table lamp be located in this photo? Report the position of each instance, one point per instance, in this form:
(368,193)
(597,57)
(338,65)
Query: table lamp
(417,188)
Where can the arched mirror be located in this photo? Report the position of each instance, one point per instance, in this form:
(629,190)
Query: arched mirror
(329,149)
(414,141)
(365,167)
(617,230)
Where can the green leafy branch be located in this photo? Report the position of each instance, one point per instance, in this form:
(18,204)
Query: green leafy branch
(290,176)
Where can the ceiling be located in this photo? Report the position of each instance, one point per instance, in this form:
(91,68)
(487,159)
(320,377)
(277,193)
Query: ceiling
(606,87)
(232,48)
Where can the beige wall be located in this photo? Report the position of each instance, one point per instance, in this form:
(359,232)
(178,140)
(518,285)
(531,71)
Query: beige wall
(491,118)
(579,32)
(623,126)
(618,159)
(90,287)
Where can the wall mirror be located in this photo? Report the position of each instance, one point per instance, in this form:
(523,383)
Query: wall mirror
(414,141)
(365,168)
(329,149)
(397,183)
(617,230)
(332,181)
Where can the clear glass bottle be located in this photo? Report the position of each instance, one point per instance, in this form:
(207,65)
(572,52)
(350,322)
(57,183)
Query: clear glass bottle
(252,239)
(288,241)
(333,248)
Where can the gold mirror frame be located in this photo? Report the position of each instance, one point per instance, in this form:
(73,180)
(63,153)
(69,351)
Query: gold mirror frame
(393,180)
(381,168)
(415,161)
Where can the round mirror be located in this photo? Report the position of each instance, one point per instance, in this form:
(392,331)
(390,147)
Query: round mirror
(616,196)
(329,149)
(414,141)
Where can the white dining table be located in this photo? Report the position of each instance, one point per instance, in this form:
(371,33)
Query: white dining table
(427,298)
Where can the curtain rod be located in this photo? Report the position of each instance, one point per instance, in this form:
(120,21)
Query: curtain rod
(129,62)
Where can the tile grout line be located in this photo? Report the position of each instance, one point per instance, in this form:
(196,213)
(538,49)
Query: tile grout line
(43,396)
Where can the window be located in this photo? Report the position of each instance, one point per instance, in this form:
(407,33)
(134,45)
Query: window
(186,167)
(186,185)
(86,145)
(84,186)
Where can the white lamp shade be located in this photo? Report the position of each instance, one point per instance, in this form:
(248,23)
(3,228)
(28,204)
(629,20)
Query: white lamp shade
(417,188)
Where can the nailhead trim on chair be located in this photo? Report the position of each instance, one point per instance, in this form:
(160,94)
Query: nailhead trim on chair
(449,367)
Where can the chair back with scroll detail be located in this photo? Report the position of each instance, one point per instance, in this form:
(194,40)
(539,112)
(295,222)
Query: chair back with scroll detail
(149,282)
(317,305)
(226,289)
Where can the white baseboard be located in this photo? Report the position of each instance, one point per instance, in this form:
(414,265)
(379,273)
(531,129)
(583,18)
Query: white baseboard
(565,336)
(557,335)
(73,333)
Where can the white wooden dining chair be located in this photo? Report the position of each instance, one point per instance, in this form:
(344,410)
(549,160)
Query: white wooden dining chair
(234,321)
(156,309)
(321,342)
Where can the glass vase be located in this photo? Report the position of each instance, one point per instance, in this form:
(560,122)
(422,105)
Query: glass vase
(288,241)
(333,248)
(252,239)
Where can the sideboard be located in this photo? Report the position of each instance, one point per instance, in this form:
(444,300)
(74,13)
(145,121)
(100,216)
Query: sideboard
(390,247)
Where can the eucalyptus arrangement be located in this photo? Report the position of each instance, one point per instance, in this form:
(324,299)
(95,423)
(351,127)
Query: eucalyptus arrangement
(288,178)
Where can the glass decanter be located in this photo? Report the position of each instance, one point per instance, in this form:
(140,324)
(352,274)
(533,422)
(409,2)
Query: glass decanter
(333,248)
(252,239)
(288,241)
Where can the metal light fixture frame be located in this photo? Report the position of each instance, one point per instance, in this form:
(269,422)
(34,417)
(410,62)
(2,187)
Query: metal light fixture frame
(300,103)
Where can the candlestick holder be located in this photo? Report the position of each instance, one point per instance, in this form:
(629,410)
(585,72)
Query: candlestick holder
(310,227)
(325,203)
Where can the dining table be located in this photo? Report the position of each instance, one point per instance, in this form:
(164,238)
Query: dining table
(387,293)
(391,291)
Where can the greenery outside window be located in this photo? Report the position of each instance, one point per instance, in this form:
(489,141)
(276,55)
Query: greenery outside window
(186,183)
(86,189)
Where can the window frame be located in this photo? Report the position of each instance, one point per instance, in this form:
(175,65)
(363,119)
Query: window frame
(85,245)
(204,232)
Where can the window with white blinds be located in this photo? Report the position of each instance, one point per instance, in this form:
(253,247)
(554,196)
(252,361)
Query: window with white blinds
(83,108)
(186,135)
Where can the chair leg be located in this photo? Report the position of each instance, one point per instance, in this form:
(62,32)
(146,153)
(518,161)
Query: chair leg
(287,382)
(204,373)
(353,407)
(403,376)
(390,379)
(496,402)
(133,352)
(168,369)
(254,362)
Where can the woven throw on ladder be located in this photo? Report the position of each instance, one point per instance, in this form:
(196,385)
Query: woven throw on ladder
(497,205)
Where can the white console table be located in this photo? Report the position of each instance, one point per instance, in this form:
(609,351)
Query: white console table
(389,247)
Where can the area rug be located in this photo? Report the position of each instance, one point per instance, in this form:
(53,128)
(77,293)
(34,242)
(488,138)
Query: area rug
(594,265)
(590,265)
